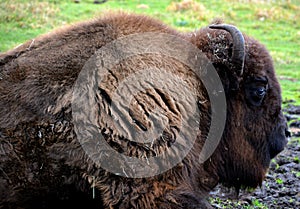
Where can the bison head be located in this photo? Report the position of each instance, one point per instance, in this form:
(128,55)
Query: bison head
(255,129)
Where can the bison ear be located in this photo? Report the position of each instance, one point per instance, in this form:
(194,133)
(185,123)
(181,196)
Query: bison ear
(237,59)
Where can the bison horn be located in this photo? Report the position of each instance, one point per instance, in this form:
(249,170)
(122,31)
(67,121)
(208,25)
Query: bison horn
(238,52)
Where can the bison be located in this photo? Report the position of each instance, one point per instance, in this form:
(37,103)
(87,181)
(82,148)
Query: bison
(44,165)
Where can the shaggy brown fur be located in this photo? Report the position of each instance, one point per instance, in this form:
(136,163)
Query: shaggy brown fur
(42,161)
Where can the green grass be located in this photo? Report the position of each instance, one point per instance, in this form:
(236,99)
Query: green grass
(275,24)
(232,204)
(279,181)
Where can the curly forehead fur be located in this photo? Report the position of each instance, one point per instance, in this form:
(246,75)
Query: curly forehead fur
(42,162)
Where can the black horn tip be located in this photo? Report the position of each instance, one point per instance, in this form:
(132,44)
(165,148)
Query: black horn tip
(221,26)
(215,26)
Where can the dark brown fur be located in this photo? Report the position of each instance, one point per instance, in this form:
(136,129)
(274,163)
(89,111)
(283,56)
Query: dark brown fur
(41,159)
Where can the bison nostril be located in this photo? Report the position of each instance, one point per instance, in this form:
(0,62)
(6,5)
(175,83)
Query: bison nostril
(287,133)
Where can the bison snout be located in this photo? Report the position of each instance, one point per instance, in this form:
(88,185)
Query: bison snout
(279,140)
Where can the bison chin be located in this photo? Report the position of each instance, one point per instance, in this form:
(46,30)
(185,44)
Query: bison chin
(244,159)
(238,172)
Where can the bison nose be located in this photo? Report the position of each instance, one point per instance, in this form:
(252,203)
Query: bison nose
(287,133)
(279,140)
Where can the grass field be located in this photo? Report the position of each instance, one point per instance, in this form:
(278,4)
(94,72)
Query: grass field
(274,23)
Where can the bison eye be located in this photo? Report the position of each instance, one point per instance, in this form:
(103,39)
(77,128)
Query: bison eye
(261,91)
(255,90)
